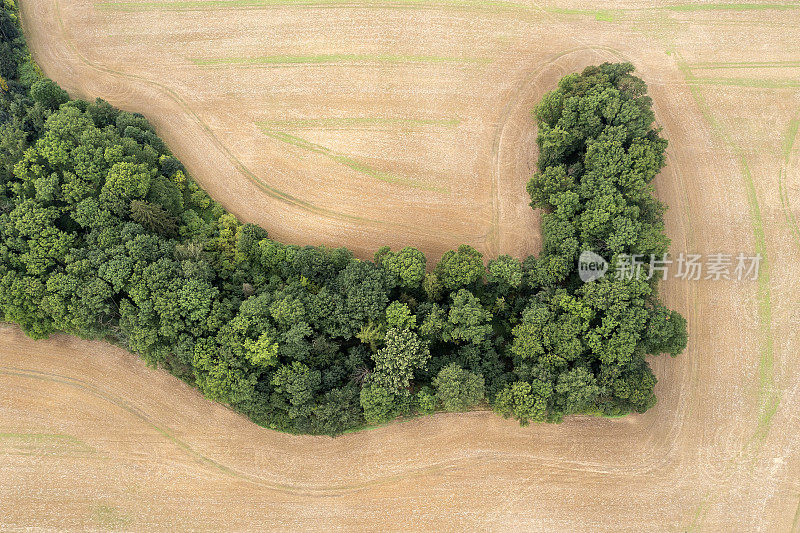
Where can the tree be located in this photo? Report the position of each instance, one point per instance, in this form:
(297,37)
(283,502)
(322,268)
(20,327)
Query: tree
(405,269)
(665,332)
(576,391)
(426,401)
(263,352)
(433,323)
(220,376)
(467,320)
(506,272)
(338,411)
(294,387)
(632,388)
(524,401)
(399,316)
(461,268)
(380,403)
(550,337)
(153,217)
(364,296)
(48,94)
(457,389)
(20,298)
(124,182)
(396,362)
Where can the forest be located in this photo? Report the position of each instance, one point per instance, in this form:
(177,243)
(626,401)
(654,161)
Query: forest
(106,236)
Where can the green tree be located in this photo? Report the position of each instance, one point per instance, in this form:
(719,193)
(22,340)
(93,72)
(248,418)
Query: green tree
(467,320)
(153,217)
(295,385)
(405,269)
(665,333)
(399,316)
(396,362)
(426,401)
(263,352)
(338,410)
(576,391)
(506,272)
(48,94)
(458,389)
(461,268)
(380,403)
(524,401)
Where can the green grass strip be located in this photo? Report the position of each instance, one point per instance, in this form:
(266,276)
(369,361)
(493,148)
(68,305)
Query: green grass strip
(605,15)
(743,64)
(770,398)
(497,5)
(348,161)
(41,437)
(796,520)
(746,82)
(788,213)
(48,437)
(788,139)
(729,7)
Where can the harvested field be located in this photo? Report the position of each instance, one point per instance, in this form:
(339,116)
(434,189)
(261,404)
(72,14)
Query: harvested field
(407,122)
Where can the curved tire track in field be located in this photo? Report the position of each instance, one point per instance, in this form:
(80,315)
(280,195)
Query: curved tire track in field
(126,94)
(136,412)
(101,392)
(541,79)
(171,94)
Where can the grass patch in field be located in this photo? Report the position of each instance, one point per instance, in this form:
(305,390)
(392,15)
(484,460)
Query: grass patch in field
(769,397)
(788,139)
(109,517)
(758,83)
(347,161)
(743,64)
(746,82)
(604,15)
(788,213)
(729,7)
(796,517)
(42,444)
(332,58)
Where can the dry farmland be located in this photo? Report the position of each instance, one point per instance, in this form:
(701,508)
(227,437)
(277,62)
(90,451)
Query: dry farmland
(406,122)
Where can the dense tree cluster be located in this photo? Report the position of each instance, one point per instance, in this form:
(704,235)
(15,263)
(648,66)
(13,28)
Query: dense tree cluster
(105,236)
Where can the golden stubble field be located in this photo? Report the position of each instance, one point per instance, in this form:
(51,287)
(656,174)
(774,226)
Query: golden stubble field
(364,123)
